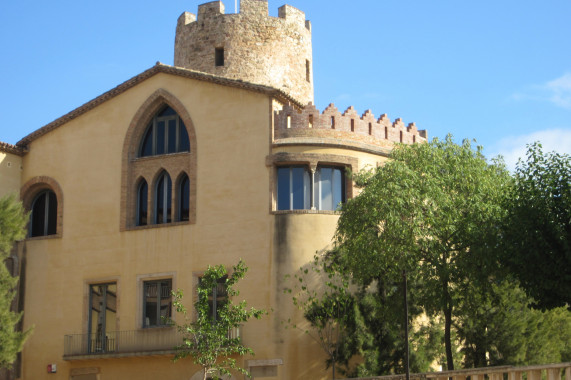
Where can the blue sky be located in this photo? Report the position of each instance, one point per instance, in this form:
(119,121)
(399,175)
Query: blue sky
(495,71)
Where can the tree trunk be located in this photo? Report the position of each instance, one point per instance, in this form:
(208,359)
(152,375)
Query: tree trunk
(333,369)
(481,358)
(447,325)
(447,336)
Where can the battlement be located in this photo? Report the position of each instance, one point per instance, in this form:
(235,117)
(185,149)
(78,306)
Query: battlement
(250,45)
(248,9)
(254,7)
(294,15)
(212,9)
(346,126)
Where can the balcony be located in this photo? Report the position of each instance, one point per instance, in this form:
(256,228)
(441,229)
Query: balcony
(117,344)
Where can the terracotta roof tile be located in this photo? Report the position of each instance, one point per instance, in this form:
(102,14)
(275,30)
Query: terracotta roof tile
(9,148)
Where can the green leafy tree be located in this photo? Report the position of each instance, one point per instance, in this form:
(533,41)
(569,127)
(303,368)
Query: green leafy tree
(207,339)
(12,223)
(537,231)
(323,295)
(498,327)
(348,320)
(432,209)
(380,339)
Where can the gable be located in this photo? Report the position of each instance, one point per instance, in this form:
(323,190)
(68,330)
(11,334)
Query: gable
(144,76)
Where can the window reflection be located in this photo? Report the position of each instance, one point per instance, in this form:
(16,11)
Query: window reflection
(166,133)
(296,190)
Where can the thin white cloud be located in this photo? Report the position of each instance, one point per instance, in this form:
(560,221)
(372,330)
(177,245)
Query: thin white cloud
(513,148)
(556,91)
(560,90)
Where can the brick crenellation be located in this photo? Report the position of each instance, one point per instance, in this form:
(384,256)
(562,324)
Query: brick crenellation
(349,125)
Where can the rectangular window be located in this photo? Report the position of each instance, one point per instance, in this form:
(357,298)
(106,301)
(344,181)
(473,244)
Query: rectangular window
(157,303)
(307,71)
(329,188)
(217,298)
(102,317)
(219,56)
(296,189)
(293,188)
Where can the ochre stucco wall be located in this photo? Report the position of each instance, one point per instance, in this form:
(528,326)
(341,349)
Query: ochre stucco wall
(10,173)
(84,157)
(234,219)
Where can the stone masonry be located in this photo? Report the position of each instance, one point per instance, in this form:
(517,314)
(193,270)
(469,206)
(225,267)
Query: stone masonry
(255,47)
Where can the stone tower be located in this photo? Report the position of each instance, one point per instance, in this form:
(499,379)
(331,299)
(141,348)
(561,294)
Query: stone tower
(249,46)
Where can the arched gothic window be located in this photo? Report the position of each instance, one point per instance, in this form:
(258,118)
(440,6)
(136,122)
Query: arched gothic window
(183,198)
(163,199)
(44,214)
(160,140)
(165,134)
(142,203)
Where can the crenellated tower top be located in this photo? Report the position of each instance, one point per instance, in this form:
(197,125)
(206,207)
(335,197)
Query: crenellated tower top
(249,45)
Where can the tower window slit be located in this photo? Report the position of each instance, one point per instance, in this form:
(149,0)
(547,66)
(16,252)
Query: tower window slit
(219,56)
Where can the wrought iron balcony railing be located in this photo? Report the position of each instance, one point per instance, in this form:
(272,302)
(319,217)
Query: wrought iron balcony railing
(120,343)
(151,341)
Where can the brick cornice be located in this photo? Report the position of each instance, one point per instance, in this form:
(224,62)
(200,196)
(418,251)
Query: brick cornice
(333,143)
(158,68)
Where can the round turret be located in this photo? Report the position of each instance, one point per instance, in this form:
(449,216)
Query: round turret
(249,46)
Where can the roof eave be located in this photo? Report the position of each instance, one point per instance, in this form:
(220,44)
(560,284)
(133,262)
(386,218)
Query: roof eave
(130,83)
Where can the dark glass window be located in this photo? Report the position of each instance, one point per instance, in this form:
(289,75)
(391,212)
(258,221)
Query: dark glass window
(293,188)
(142,203)
(102,318)
(157,303)
(217,298)
(44,214)
(161,138)
(296,191)
(163,199)
(184,199)
(147,146)
(183,140)
(166,133)
(329,188)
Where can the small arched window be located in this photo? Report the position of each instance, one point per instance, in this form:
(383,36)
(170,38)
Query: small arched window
(163,199)
(165,134)
(142,203)
(183,195)
(44,214)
